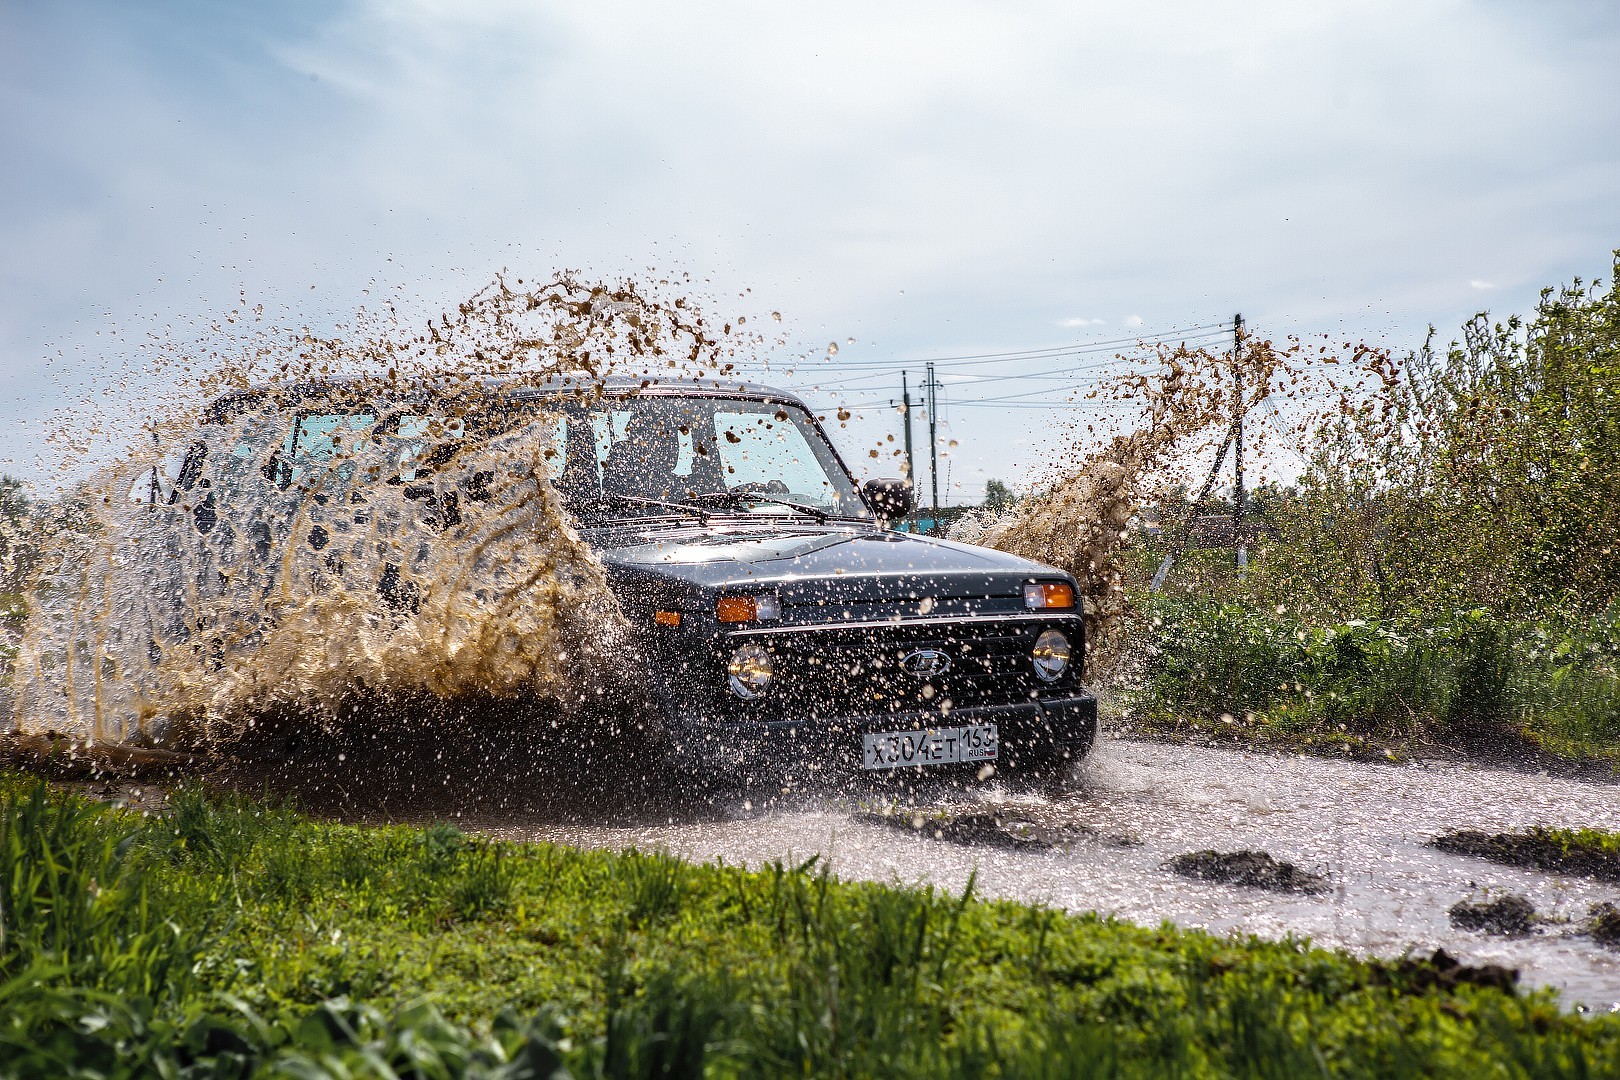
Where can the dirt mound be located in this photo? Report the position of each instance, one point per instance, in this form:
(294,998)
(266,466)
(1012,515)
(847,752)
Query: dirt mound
(1253,868)
(1442,971)
(1506,916)
(1010,829)
(1538,849)
(1604,922)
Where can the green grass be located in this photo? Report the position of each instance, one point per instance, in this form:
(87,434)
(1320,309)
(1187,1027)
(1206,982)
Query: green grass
(230,938)
(1569,841)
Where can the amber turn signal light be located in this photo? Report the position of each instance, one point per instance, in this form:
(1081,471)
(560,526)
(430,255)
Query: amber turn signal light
(747,608)
(667,618)
(734,609)
(1049,594)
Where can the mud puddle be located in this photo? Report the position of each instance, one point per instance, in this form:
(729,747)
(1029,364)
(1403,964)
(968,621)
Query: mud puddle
(1365,829)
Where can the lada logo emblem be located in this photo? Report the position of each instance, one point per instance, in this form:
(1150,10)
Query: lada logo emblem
(926,663)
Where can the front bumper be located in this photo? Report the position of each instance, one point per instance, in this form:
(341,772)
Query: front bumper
(1033,736)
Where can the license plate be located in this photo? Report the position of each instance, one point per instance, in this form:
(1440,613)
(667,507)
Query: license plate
(933,746)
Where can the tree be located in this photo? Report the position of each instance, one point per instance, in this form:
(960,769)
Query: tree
(14,514)
(998,497)
(1492,480)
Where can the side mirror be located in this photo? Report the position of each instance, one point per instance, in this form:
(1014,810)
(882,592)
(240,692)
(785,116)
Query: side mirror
(888,496)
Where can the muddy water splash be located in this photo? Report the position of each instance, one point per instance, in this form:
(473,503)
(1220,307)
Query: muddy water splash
(1081,519)
(404,541)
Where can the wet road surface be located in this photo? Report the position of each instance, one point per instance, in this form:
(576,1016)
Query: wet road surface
(1138,804)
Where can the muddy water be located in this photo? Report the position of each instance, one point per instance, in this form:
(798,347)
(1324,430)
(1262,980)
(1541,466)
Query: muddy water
(1364,826)
(313,527)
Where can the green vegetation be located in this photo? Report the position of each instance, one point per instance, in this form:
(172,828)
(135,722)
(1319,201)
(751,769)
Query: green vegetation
(1461,679)
(998,497)
(226,938)
(1444,570)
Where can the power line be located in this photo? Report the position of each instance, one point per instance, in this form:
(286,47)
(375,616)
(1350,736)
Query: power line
(887,407)
(1105,343)
(1054,375)
(1078,349)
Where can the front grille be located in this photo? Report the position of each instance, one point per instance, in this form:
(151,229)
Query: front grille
(860,669)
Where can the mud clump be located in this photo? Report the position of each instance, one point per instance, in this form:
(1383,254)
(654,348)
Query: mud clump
(1444,972)
(1253,868)
(1506,916)
(1603,921)
(1009,830)
(1539,849)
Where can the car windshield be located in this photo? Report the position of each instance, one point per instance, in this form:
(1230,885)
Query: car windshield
(617,456)
(650,454)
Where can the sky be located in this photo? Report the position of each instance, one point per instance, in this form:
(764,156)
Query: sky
(932,181)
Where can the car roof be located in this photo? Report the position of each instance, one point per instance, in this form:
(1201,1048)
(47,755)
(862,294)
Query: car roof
(293,393)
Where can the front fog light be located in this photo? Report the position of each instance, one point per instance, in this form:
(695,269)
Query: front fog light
(1051,655)
(751,671)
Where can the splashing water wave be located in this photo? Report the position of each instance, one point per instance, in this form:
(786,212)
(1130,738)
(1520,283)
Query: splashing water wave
(377,523)
(1080,520)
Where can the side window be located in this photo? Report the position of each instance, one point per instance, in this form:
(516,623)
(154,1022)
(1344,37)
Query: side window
(425,442)
(320,438)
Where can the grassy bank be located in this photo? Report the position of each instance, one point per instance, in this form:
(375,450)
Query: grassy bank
(228,938)
(1465,680)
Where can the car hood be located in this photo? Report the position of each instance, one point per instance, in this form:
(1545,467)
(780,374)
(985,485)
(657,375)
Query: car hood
(819,564)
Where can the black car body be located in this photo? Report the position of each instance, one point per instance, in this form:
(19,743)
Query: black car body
(775,617)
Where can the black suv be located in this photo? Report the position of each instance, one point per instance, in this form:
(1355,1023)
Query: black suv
(777,617)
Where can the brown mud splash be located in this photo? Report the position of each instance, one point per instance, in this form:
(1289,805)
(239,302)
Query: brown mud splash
(1081,520)
(221,578)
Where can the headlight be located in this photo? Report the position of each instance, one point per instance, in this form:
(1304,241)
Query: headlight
(1048,594)
(751,671)
(1051,655)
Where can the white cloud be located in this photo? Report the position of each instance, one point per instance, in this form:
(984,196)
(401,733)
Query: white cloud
(1475,283)
(939,185)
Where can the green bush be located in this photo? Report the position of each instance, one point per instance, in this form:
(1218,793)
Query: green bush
(1463,678)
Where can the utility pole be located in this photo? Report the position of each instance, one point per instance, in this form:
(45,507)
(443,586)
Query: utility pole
(933,441)
(905,407)
(1237,445)
(1192,511)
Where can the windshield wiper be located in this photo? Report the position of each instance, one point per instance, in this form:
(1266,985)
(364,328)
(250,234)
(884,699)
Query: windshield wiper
(683,507)
(731,498)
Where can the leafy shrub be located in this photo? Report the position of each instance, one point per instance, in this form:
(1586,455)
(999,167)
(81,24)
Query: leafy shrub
(1465,677)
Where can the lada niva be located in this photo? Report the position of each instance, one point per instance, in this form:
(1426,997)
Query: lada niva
(776,616)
